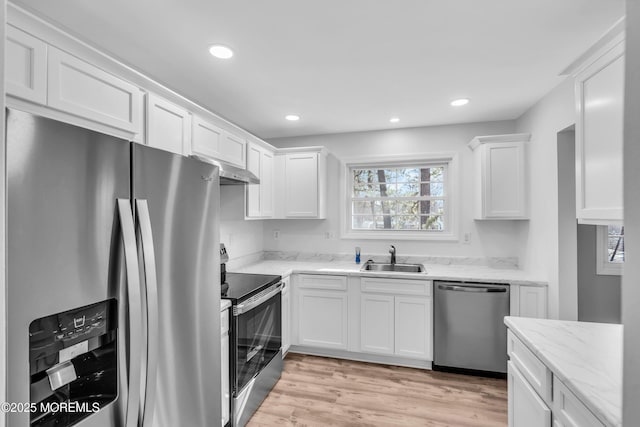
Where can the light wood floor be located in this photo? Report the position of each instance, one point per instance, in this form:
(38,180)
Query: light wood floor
(320,391)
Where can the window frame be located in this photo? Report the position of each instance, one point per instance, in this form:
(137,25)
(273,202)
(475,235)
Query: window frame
(391,161)
(603,266)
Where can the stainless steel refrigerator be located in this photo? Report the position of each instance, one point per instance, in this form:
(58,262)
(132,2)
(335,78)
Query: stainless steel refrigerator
(113,280)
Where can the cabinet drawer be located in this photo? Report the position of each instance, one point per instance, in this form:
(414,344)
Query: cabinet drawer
(536,373)
(396,286)
(224,322)
(569,409)
(321,281)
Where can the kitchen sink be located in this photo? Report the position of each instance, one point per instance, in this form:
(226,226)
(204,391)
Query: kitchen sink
(401,268)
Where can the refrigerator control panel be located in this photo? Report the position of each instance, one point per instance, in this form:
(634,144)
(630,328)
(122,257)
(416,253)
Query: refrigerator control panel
(73,360)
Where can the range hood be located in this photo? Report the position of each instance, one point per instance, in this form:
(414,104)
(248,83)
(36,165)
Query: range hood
(231,175)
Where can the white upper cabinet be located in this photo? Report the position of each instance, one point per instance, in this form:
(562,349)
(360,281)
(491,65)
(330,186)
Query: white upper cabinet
(259,197)
(168,126)
(26,66)
(79,88)
(599,139)
(301,183)
(233,149)
(214,142)
(500,171)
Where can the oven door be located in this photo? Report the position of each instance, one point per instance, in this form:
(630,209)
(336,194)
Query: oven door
(257,334)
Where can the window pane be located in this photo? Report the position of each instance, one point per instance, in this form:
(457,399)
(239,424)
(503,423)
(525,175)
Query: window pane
(407,208)
(408,189)
(615,244)
(406,222)
(431,222)
(432,207)
(436,174)
(362,222)
(411,175)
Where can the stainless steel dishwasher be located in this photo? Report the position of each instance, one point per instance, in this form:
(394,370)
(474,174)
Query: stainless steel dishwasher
(469,326)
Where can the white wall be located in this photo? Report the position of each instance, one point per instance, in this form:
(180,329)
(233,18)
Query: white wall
(552,114)
(243,239)
(631,278)
(492,239)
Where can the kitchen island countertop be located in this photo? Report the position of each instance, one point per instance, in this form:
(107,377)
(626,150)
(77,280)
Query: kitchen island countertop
(585,356)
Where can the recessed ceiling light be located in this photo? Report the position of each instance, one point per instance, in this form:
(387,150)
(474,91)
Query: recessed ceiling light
(220,51)
(292,117)
(394,119)
(460,102)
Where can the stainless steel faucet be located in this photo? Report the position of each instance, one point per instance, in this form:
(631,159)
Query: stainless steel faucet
(392,251)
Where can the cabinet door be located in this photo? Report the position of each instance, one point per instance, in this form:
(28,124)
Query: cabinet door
(169,126)
(286,315)
(532,302)
(224,368)
(525,407)
(233,150)
(376,323)
(322,317)
(266,184)
(413,331)
(301,185)
(254,161)
(81,89)
(569,410)
(599,139)
(207,138)
(504,180)
(26,66)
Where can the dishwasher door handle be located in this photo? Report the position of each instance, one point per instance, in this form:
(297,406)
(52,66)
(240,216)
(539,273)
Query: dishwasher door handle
(477,289)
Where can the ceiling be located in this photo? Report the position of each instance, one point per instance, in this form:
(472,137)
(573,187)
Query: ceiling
(344,65)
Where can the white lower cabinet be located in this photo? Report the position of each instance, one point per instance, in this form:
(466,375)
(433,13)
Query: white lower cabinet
(376,324)
(528,301)
(286,315)
(322,311)
(568,410)
(536,397)
(393,321)
(413,331)
(526,408)
(224,366)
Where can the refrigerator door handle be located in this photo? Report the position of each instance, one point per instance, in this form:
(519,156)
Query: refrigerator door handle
(134,311)
(152,332)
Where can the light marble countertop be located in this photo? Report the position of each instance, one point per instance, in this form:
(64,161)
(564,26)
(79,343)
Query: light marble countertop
(460,272)
(586,357)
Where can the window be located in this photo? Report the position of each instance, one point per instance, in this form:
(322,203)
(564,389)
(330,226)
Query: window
(610,249)
(406,199)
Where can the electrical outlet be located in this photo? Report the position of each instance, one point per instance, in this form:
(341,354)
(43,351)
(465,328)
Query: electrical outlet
(276,234)
(466,238)
(327,235)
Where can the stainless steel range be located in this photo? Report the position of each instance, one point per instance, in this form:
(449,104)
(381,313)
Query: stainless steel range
(256,340)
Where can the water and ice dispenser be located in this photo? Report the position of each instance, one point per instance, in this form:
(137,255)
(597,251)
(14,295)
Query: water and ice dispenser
(73,364)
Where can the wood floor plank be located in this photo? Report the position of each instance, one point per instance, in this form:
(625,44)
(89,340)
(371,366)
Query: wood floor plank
(321,391)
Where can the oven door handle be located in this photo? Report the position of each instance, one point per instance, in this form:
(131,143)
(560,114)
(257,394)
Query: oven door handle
(255,301)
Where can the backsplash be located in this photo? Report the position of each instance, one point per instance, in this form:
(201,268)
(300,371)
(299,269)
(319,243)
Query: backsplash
(492,262)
